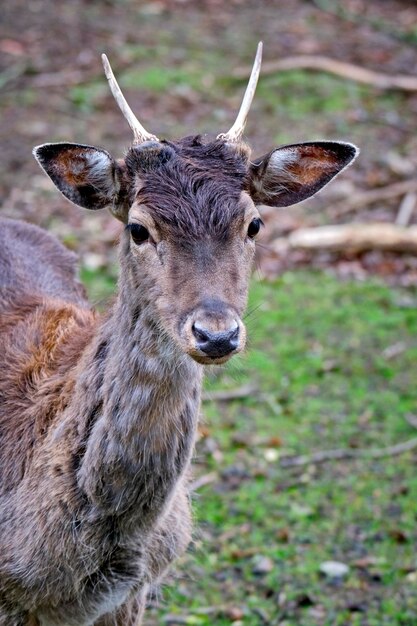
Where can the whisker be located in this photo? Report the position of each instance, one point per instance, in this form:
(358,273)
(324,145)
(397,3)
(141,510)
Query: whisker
(252,311)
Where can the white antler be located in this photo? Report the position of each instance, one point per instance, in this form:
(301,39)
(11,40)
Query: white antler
(236,132)
(139,133)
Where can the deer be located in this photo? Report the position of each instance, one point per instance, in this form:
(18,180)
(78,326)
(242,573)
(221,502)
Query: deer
(99,412)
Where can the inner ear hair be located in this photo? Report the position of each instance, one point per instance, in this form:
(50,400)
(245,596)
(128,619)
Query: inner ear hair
(292,173)
(87,176)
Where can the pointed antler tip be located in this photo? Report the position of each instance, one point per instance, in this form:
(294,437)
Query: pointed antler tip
(236,131)
(139,133)
(258,57)
(107,67)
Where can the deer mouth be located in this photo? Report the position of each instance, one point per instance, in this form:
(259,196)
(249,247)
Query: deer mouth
(203,359)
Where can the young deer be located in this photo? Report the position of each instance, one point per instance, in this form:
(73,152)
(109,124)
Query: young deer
(98,414)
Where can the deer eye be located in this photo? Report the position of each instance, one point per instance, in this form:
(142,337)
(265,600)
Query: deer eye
(139,233)
(254,227)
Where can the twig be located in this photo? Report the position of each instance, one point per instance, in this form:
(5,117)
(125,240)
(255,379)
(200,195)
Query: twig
(202,481)
(340,68)
(41,80)
(406,208)
(233,532)
(356,238)
(347,453)
(172,618)
(411,419)
(364,198)
(391,352)
(227,395)
(12,73)
(61,79)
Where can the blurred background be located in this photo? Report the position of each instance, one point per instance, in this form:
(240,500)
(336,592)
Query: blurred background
(305,472)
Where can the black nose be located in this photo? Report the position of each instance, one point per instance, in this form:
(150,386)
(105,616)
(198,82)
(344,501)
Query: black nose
(216,344)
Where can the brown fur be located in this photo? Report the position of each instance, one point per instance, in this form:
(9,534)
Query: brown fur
(98,414)
(78,544)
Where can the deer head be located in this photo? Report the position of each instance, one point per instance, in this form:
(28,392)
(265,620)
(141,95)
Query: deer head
(191,213)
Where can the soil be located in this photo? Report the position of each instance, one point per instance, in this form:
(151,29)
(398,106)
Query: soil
(53,89)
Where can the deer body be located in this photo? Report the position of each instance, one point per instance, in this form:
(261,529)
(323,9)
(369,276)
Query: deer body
(98,415)
(103,529)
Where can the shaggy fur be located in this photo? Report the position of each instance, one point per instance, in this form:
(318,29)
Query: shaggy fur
(98,415)
(89,463)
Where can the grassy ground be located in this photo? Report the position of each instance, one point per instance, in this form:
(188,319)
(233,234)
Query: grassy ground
(333,366)
(332,363)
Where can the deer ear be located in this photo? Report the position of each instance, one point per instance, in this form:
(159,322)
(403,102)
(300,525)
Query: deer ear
(87,176)
(290,174)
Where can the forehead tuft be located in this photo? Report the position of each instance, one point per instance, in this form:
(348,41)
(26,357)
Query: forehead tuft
(191,186)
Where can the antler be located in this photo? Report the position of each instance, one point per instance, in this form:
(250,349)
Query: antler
(139,133)
(236,132)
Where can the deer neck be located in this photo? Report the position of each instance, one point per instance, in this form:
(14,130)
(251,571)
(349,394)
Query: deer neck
(142,418)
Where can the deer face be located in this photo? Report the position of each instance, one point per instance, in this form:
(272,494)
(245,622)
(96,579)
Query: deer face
(191,219)
(191,226)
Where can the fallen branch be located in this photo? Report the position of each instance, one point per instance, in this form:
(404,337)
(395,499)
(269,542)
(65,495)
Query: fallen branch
(356,238)
(406,209)
(364,198)
(348,453)
(227,395)
(339,68)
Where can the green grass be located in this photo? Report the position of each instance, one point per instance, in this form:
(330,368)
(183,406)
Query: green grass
(308,100)
(318,356)
(160,79)
(100,284)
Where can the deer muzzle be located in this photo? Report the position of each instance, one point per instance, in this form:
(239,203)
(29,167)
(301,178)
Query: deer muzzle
(213,333)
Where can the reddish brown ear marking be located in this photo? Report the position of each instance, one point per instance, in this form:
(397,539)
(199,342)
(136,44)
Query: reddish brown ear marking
(290,174)
(313,164)
(84,174)
(72,166)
